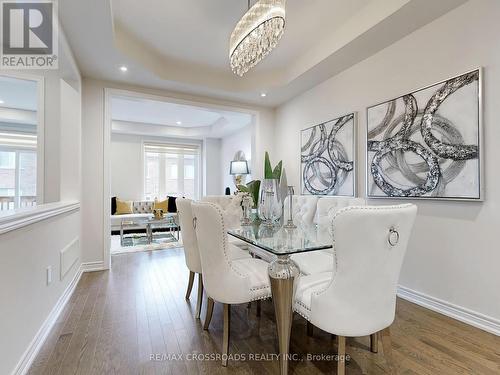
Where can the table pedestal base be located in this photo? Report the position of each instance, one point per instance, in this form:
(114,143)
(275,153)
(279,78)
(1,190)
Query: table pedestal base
(282,273)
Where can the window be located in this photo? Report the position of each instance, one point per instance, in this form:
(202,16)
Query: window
(18,142)
(171,170)
(17,178)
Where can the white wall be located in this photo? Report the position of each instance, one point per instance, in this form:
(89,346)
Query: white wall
(262,141)
(26,298)
(127,167)
(26,252)
(93,209)
(241,140)
(453,254)
(70,141)
(57,84)
(211,167)
(127,164)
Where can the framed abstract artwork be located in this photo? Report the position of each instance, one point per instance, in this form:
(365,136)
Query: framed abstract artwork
(328,153)
(427,144)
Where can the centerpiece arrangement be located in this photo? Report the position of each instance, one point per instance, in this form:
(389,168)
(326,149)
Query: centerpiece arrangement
(267,195)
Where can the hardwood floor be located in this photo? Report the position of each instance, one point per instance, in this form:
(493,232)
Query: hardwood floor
(117,321)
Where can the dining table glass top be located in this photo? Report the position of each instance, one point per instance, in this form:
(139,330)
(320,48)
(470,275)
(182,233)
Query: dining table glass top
(280,240)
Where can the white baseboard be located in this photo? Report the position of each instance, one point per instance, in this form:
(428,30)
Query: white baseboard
(30,354)
(473,318)
(93,266)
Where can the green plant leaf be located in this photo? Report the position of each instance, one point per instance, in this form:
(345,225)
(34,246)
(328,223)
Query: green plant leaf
(268,169)
(277,170)
(254,189)
(243,188)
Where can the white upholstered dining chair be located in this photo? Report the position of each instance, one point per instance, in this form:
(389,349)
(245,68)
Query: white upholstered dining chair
(303,209)
(358,298)
(232,212)
(192,253)
(226,280)
(303,215)
(326,208)
(230,206)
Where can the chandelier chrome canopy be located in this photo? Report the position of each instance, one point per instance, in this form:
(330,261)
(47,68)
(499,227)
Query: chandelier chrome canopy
(256,34)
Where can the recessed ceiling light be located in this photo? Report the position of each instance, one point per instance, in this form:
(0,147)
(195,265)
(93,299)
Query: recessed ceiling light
(263,94)
(123,68)
(178,122)
(1,101)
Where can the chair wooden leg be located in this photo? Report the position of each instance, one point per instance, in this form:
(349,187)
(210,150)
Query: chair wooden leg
(341,355)
(190,284)
(200,296)
(374,342)
(310,329)
(387,346)
(259,308)
(225,337)
(210,310)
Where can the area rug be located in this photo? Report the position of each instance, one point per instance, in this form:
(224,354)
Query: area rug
(137,242)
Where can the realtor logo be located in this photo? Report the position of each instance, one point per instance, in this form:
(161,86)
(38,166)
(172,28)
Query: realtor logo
(29,35)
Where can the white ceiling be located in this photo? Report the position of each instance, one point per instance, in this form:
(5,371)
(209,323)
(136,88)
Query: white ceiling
(182,45)
(194,30)
(139,116)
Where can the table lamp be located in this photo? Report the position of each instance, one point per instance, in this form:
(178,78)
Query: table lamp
(238,168)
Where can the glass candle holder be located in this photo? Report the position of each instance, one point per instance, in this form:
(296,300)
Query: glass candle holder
(289,223)
(247,203)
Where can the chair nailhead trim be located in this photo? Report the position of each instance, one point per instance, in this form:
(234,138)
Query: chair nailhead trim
(223,235)
(300,313)
(302,304)
(261,287)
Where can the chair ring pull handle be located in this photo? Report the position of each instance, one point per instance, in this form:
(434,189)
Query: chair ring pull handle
(393,238)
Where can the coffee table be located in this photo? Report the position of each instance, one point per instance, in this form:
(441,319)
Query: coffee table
(167,222)
(124,224)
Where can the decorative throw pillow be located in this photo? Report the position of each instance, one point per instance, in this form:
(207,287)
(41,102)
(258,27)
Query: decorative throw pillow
(172,207)
(161,205)
(123,207)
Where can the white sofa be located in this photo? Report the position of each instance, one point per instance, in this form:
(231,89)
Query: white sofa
(141,210)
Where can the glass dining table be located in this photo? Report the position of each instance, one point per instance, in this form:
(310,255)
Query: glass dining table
(284,242)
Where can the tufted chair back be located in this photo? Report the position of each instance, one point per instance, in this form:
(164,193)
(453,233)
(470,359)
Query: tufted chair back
(370,244)
(223,282)
(304,209)
(328,206)
(189,240)
(231,207)
(222,200)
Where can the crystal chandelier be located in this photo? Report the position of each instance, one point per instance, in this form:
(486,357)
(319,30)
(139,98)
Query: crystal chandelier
(256,34)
